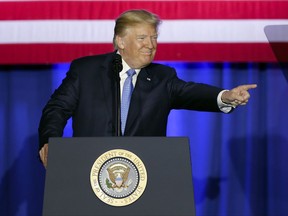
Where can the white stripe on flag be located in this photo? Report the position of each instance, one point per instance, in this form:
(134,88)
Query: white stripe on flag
(213,31)
(101,31)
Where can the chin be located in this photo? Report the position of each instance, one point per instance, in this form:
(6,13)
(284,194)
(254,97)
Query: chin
(148,59)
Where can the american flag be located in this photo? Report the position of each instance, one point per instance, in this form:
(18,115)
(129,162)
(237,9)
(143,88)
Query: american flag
(44,32)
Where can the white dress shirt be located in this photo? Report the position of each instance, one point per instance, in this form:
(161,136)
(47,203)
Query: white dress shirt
(123,75)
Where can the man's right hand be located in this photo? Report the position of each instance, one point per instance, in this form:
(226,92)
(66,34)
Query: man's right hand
(44,154)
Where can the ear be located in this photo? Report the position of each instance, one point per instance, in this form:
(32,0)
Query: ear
(120,42)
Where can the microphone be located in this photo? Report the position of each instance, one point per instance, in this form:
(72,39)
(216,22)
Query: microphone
(117,65)
(117,68)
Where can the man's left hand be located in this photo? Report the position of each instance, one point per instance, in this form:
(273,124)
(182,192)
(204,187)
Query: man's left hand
(237,96)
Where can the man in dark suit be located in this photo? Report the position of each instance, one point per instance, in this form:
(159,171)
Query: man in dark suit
(87,94)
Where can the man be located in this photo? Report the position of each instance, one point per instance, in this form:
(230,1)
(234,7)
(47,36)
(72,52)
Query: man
(87,94)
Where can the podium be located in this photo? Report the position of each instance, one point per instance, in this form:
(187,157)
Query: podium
(92,176)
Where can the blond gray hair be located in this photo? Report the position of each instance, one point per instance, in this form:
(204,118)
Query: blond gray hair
(131,18)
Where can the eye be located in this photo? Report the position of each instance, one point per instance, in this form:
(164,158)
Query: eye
(141,38)
(154,37)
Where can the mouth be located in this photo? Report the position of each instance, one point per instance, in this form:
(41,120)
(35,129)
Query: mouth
(148,53)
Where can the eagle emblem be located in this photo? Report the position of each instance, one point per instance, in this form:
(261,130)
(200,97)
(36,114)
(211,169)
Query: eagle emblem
(118,177)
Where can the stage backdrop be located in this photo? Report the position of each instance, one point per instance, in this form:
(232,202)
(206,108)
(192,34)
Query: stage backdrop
(238,159)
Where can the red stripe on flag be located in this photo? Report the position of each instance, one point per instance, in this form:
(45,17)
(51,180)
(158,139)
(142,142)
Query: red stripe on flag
(216,52)
(165,9)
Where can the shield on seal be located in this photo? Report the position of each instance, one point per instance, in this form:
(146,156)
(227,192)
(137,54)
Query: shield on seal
(119,180)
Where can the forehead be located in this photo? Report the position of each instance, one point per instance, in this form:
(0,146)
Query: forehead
(141,29)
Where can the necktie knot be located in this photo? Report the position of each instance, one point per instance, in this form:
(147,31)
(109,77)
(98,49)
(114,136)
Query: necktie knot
(131,72)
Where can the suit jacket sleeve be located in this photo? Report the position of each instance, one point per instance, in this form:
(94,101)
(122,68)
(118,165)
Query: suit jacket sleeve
(193,96)
(59,108)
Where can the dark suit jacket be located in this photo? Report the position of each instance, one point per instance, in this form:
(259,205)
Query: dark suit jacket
(87,94)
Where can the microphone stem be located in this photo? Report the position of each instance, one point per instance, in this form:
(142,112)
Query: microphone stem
(118,107)
(117,68)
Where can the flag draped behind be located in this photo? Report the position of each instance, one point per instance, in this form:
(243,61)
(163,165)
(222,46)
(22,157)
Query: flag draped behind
(238,160)
(36,32)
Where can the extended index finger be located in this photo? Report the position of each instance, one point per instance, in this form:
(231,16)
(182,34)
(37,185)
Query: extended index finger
(247,87)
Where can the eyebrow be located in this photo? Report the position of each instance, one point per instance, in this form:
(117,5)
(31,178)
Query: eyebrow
(143,35)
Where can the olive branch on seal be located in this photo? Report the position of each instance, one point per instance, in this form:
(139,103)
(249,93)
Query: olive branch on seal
(109,184)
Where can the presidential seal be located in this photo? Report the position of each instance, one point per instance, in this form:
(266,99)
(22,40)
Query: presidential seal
(118,177)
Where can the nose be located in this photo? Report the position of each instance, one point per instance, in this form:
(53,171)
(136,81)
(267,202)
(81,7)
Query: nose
(150,43)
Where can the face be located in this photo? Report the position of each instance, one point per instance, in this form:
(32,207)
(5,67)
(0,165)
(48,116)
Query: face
(138,46)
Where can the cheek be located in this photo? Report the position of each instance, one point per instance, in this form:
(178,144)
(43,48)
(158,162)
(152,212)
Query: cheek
(140,46)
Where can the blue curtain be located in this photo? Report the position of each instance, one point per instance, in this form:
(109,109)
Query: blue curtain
(238,159)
